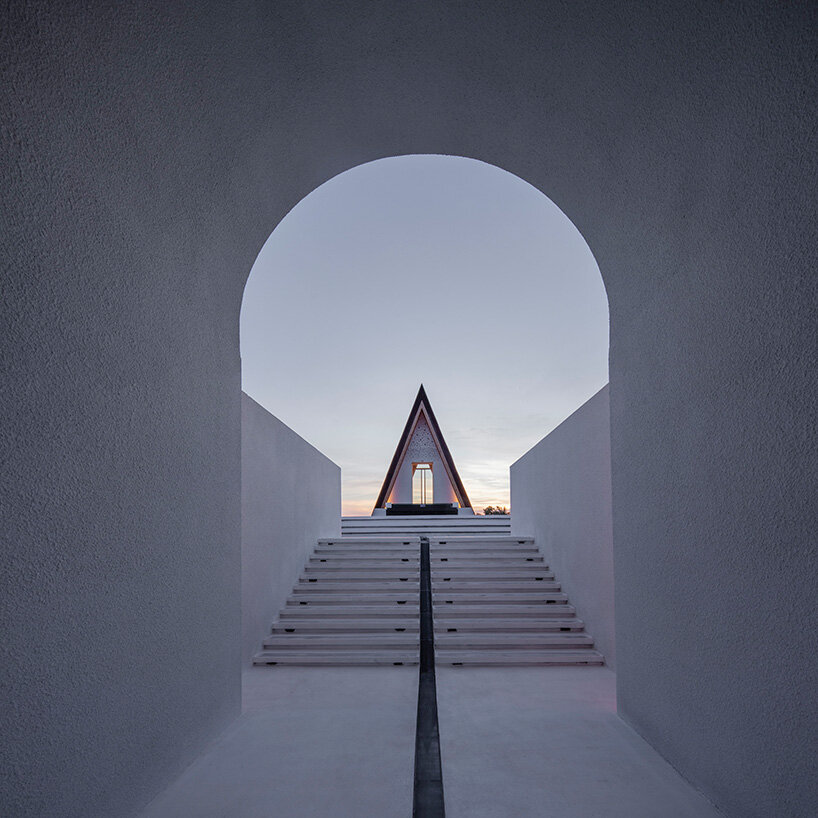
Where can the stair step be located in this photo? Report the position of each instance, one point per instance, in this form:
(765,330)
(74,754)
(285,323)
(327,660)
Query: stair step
(510,598)
(519,657)
(465,610)
(367,560)
(500,586)
(491,539)
(337,641)
(352,575)
(371,611)
(355,599)
(501,575)
(356,657)
(395,540)
(536,624)
(505,641)
(486,560)
(347,625)
(339,586)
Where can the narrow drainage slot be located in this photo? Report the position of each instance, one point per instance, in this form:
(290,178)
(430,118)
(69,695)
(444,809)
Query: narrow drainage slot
(322,560)
(450,602)
(565,629)
(427,799)
(404,559)
(444,559)
(397,663)
(447,579)
(457,664)
(271,663)
(403,579)
(451,630)
(289,630)
(401,601)
(538,579)
(313,580)
(401,630)
(302,603)
(529,559)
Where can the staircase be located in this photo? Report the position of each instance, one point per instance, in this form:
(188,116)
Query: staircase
(357,603)
(494,603)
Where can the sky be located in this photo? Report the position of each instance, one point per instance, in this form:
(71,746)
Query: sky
(437,270)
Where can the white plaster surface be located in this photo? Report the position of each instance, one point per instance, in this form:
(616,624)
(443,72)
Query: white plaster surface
(542,742)
(561,496)
(147,151)
(310,743)
(290,497)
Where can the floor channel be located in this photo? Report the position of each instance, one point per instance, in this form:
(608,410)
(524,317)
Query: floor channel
(428,790)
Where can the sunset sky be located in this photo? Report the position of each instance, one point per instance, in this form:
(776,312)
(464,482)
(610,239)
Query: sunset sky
(424,269)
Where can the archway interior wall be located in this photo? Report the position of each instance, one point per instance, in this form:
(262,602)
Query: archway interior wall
(150,151)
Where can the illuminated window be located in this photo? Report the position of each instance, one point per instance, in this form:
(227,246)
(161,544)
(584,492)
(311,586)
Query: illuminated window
(422,483)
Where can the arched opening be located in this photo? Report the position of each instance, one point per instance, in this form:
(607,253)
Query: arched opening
(456,274)
(430,269)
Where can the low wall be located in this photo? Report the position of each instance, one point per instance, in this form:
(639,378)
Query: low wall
(561,494)
(290,496)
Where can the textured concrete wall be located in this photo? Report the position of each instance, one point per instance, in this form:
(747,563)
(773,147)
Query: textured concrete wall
(290,496)
(561,494)
(147,152)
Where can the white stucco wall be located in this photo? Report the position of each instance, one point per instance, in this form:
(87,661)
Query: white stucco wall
(148,149)
(290,497)
(561,494)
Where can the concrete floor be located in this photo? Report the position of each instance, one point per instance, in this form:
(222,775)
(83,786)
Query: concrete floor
(311,743)
(541,742)
(531,742)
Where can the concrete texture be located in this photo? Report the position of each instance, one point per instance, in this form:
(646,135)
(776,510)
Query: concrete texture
(561,496)
(522,742)
(309,744)
(290,497)
(147,152)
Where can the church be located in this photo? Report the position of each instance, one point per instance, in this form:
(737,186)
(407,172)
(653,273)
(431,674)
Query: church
(422,477)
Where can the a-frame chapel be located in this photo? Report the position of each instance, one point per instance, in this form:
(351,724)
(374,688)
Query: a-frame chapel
(422,477)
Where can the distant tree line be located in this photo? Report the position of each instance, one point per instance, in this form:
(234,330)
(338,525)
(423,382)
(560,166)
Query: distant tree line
(495,510)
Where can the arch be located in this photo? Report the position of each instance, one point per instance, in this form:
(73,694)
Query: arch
(143,174)
(496,254)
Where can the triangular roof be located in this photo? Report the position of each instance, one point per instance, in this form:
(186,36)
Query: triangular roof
(422,408)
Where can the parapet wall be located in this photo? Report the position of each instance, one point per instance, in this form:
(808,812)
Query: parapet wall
(561,494)
(290,496)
